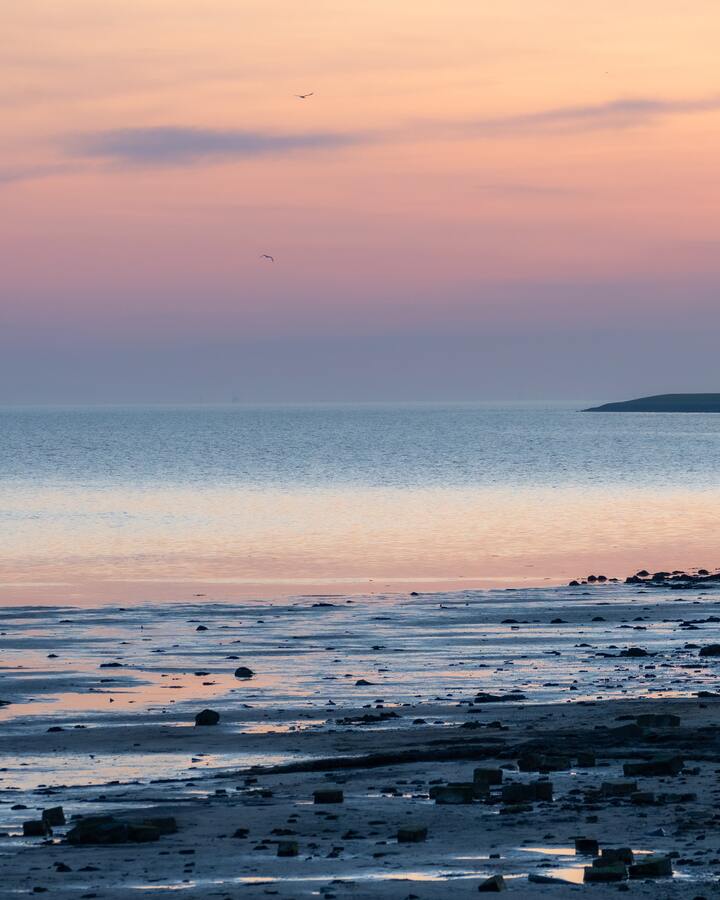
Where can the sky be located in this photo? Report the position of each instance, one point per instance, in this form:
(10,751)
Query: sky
(490,201)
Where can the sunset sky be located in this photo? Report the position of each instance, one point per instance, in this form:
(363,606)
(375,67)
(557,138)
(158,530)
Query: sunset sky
(503,201)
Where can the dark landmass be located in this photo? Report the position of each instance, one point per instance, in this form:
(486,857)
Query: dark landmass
(687,403)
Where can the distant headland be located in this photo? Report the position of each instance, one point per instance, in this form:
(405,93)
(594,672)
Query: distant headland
(666,403)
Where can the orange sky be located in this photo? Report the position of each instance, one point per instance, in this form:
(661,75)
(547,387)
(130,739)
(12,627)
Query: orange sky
(458,160)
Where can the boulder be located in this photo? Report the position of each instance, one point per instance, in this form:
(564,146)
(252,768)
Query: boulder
(243,672)
(287,848)
(164,824)
(412,834)
(710,650)
(207,717)
(454,793)
(53,816)
(587,846)
(98,830)
(618,788)
(634,652)
(600,874)
(642,798)
(109,830)
(492,885)
(655,866)
(660,767)
(142,833)
(487,776)
(328,796)
(36,828)
(517,792)
(612,855)
(586,759)
(660,720)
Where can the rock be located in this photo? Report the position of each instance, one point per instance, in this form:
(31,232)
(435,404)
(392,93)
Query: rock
(453,793)
(710,650)
(612,855)
(652,867)
(201,628)
(207,717)
(527,793)
(287,848)
(634,652)
(631,731)
(538,762)
(142,834)
(487,776)
(36,828)
(661,720)
(109,830)
(492,885)
(98,830)
(661,767)
(412,834)
(615,872)
(512,697)
(586,759)
(164,824)
(618,788)
(587,846)
(53,816)
(243,672)
(642,798)
(328,796)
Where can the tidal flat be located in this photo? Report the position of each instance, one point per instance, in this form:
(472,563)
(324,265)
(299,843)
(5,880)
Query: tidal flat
(396,746)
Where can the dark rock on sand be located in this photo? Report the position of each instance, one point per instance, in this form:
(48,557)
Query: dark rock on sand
(587,846)
(661,767)
(454,793)
(53,816)
(652,867)
(527,793)
(412,834)
(328,796)
(660,720)
(513,697)
(605,873)
(618,788)
(487,776)
(207,717)
(109,830)
(287,848)
(492,885)
(710,650)
(243,672)
(36,828)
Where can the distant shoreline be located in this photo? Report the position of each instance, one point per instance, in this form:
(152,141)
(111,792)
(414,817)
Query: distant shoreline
(666,403)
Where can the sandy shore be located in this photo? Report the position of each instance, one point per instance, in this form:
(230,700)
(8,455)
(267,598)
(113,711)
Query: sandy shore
(239,789)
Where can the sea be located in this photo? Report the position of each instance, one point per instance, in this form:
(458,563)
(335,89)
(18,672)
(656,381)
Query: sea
(140,504)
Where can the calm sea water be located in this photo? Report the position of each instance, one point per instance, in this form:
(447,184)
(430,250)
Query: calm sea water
(251,499)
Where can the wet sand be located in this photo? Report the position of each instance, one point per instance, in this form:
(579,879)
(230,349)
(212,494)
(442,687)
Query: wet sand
(385,699)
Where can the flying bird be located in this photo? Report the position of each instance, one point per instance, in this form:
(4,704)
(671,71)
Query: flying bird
(267,256)
(305,96)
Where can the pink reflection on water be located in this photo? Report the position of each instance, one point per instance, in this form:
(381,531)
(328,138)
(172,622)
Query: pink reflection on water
(238,542)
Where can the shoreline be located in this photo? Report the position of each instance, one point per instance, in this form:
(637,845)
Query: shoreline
(383,700)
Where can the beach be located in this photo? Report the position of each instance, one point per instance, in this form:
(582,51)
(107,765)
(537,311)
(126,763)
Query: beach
(385,699)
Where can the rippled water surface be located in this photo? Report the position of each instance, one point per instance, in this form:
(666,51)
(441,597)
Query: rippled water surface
(160,503)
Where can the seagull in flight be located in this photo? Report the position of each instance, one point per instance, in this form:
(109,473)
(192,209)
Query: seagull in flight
(267,256)
(305,96)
